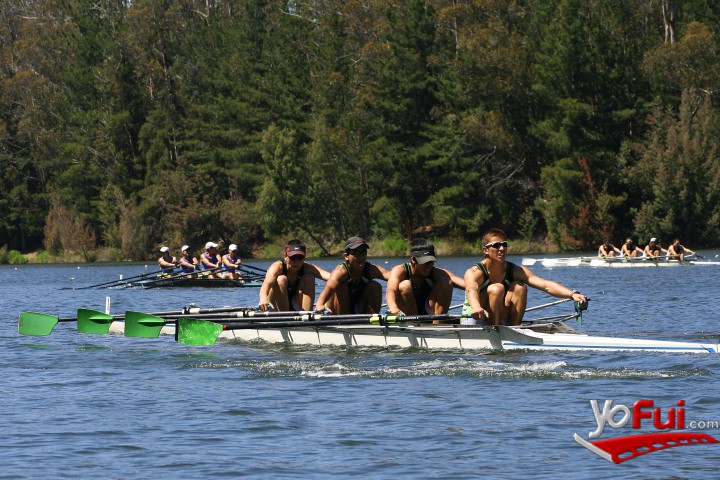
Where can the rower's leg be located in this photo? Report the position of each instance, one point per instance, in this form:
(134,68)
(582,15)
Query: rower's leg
(516,302)
(339,301)
(370,299)
(406,298)
(495,302)
(441,296)
(305,296)
(278,294)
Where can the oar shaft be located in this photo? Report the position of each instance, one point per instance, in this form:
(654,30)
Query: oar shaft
(330,322)
(121,280)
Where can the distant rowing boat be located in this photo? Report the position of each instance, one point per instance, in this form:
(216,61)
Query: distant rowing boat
(192,282)
(617,262)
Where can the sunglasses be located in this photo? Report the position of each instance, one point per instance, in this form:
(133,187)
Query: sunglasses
(496,245)
(358,252)
(297,257)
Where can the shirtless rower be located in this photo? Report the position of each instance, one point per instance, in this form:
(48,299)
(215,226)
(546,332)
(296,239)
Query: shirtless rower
(496,290)
(419,287)
(352,287)
(677,251)
(290,283)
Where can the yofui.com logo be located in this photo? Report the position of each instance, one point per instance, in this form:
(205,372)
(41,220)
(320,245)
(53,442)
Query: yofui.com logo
(672,429)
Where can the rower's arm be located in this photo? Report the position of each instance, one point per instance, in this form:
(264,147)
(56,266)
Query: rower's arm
(318,272)
(457,282)
(548,286)
(392,290)
(270,279)
(473,278)
(336,277)
(376,271)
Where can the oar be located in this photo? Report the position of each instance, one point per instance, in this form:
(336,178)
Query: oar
(257,269)
(145,325)
(93,321)
(198,332)
(88,321)
(179,275)
(557,302)
(120,281)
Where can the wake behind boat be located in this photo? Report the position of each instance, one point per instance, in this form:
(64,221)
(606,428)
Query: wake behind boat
(616,262)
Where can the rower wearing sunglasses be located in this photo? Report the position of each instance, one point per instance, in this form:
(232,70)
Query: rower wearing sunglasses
(290,283)
(496,290)
(352,287)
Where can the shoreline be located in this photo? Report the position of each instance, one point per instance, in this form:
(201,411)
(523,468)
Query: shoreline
(444,248)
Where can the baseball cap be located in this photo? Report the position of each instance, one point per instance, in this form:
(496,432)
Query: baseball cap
(209,245)
(293,250)
(232,247)
(185,247)
(423,253)
(164,249)
(653,240)
(354,242)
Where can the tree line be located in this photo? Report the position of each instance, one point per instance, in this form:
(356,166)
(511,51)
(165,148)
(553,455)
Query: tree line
(132,123)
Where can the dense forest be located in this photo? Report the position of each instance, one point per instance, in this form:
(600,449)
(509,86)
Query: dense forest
(128,124)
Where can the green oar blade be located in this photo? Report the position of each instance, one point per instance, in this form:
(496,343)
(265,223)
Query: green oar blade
(93,321)
(142,325)
(197,332)
(32,323)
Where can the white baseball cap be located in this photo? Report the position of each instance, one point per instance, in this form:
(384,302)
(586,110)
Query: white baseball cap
(209,245)
(185,247)
(653,240)
(232,247)
(164,249)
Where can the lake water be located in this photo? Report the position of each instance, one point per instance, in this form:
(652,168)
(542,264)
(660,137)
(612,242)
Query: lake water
(110,407)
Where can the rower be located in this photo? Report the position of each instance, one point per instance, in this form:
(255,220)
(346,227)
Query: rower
(677,251)
(231,264)
(351,287)
(166,261)
(210,261)
(607,249)
(496,290)
(419,287)
(188,263)
(290,283)
(653,249)
(629,249)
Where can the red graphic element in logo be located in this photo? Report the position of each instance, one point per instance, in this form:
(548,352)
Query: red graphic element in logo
(622,449)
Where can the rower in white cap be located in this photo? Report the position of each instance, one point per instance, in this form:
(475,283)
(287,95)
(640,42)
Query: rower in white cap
(231,264)
(653,249)
(167,262)
(210,261)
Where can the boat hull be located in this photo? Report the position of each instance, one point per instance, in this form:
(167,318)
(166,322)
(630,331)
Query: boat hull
(452,337)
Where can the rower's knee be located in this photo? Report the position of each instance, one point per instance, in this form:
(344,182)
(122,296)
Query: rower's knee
(405,288)
(495,290)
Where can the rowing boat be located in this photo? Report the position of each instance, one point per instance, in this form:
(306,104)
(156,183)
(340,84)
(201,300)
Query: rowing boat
(616,262)
(196,326)
(192,282)
(550,336)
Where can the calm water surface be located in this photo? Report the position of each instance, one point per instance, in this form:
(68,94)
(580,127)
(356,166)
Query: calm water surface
(86,406)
